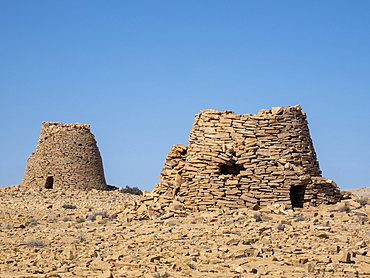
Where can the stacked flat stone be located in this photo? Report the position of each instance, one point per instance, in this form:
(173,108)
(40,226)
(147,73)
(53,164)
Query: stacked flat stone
(235,161)
(66,156)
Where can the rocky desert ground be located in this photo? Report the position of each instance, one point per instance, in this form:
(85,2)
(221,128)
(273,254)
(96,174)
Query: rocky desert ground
(48,233)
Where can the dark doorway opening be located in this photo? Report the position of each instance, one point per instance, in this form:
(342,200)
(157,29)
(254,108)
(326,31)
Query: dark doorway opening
(297,196)
(49,183)
(232,169)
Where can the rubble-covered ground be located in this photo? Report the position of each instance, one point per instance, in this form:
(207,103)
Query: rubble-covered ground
(48,233)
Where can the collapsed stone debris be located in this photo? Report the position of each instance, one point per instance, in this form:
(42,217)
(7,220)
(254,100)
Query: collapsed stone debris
(234,161)
(66,157)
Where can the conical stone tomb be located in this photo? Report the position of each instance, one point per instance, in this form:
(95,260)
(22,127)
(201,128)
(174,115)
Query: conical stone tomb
(237,161)
(66,157)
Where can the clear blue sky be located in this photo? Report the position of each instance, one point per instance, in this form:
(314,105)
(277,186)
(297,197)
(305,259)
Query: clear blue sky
(138,72)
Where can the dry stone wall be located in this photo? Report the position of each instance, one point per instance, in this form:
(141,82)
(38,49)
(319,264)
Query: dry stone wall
(234,161)
(66,157)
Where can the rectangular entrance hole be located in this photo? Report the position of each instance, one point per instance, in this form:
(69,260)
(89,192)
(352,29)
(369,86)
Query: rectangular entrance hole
(231,169)
(49,183)
(297,195)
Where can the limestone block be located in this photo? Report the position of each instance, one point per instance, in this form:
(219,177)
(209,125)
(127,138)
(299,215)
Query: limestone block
(345,256)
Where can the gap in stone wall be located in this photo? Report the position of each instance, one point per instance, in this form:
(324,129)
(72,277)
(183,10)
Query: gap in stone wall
(233,169)
(297,195)
(49,184)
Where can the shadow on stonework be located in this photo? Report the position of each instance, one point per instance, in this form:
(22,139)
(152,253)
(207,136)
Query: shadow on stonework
(297,195)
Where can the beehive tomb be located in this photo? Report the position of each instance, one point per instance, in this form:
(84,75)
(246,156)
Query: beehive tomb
(236,161)
(66,157)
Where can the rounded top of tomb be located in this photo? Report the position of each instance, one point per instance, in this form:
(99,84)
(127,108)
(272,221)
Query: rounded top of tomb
(65,127)
(278,110)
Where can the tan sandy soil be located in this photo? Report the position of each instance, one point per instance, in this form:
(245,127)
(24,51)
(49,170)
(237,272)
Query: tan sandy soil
(39,238)
(363,191)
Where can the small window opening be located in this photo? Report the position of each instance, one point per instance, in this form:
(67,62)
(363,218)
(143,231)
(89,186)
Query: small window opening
(297,196)
(233,169)
(49,183)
